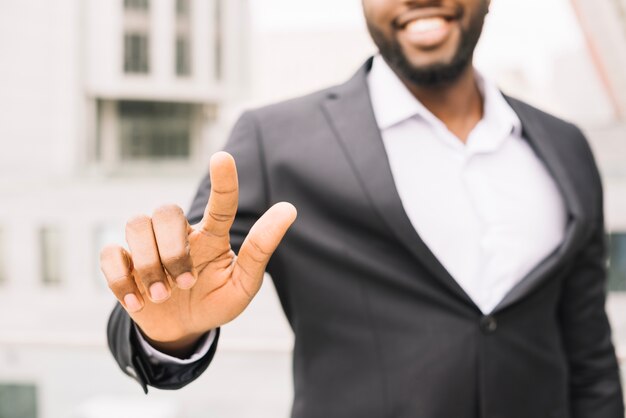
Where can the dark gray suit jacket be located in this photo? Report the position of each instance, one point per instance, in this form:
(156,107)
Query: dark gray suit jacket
(382,329)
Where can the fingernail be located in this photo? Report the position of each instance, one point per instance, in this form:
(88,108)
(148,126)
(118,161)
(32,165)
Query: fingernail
(132,303)
(185,280)
(158,292)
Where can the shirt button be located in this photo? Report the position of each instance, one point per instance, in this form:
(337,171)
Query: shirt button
(488,324)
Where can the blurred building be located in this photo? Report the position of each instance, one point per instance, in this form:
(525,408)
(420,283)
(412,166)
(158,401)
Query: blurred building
(106,108)
(112,108)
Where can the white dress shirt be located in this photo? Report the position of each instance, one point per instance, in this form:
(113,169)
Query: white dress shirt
(488,209)
(157,357)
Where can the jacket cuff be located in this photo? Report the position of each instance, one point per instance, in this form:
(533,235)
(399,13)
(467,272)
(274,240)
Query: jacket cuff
(134,362)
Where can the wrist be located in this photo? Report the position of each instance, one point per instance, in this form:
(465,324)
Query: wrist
(181,348)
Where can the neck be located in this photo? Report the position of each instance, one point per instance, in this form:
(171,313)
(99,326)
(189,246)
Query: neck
(459,105)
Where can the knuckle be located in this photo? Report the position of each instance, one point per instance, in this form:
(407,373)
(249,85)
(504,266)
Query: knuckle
(176,260)
(120,285)
(113,262)
(174,250)
(139,222)
(224,190)
(149,273)
(258,253)
(109,252)
(169,210)
(220,217)
(141,306)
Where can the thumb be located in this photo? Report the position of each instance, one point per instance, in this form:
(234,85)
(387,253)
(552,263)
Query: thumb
(260,244)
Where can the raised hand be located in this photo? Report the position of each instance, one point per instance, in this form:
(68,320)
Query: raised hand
(177,281)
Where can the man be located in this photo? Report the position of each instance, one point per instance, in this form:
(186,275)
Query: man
(448,260)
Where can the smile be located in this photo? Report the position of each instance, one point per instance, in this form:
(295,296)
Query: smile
(427,28)
(428,32)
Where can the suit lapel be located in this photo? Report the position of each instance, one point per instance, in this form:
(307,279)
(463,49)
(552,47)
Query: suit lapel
(349,111)
(548,151)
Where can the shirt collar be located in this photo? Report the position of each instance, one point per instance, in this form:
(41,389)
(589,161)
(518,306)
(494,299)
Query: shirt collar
(393,103)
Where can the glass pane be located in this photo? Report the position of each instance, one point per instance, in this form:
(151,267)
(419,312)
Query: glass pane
(218,39)
(136,53)
(155,131)
(617,262)
(51,253)
(18,401)
(139,5)
(182,7)
(3,257)
(183,56)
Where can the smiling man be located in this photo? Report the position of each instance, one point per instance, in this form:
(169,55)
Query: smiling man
(448,260)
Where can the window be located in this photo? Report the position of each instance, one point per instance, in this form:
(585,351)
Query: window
(617,262)
(183,56)
(155,131)
(51,252)
(218,40)
(182,8)
(138,5)
(3,258)
(18,401)
(136,137)
(136,56)
(183,38)
(136,37)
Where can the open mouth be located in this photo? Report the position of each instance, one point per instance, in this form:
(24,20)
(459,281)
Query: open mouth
(427,27)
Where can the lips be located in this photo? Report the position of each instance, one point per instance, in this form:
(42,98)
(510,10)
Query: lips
(447,13)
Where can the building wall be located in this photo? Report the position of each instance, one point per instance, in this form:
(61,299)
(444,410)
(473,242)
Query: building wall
(41,81)
(62,60)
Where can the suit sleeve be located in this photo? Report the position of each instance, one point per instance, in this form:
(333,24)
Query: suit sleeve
(595,388)
(244,145)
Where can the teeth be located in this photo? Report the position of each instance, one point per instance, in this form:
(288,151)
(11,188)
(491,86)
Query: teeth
(426,25)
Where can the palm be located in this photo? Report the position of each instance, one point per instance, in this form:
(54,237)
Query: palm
(203,307)
(219,285)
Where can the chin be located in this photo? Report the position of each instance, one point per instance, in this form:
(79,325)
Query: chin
(442,55)
(420,64)
(433,73)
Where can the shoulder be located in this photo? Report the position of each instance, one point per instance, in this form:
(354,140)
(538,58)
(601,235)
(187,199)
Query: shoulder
(563,134)
(306,114)
(295,111)
(548,122)
(280,115)
(294,121)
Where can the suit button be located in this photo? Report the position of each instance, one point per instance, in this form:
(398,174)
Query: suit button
(488,324)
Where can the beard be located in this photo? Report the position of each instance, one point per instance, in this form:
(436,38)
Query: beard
(437,74)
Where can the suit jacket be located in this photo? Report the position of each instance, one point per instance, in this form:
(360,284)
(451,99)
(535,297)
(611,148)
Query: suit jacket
(381,328)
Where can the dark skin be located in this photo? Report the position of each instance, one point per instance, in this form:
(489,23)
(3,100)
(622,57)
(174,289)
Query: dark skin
(457,102)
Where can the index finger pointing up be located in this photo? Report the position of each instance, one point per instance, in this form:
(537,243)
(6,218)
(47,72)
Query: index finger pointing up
(220,212)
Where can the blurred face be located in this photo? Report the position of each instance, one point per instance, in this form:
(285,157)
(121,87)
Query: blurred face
(427,42)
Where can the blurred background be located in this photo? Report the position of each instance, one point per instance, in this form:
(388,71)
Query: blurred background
(111,108)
